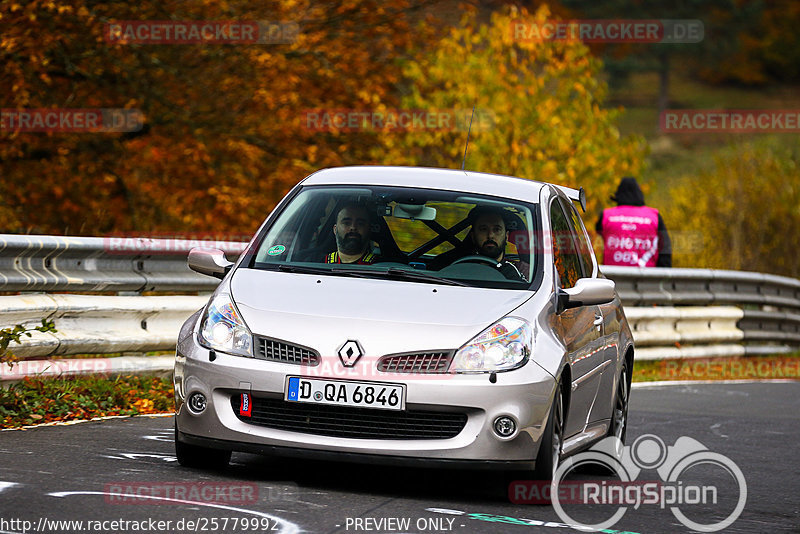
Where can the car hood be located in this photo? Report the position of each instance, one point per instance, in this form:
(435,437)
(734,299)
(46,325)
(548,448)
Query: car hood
(384,316)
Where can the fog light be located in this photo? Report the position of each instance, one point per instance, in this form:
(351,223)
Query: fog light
(505,426)
(197,402)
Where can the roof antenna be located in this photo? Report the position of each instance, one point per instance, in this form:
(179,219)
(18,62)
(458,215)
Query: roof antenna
(464,163)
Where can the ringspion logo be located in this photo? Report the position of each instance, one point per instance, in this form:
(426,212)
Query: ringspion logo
(680,488)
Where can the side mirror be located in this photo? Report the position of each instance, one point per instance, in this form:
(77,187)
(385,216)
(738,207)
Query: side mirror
(210,261)
(587,292)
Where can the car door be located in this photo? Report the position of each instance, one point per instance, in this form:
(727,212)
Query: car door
(610,322)
(580,328)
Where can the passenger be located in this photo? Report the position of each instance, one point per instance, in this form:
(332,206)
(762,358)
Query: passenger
(488,237)
(352,231)
(633,234)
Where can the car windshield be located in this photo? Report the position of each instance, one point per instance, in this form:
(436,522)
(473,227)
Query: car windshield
(403,234)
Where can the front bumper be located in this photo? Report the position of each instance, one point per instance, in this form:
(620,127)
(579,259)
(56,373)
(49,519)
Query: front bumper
(524,394)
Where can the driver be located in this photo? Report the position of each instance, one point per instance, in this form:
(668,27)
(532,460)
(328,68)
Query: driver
(488,237)
(352,236)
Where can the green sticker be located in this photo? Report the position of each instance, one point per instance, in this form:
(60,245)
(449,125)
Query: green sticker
(276,250)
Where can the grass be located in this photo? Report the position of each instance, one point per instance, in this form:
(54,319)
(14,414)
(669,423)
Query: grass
(736,368)
(675,157)
(46,400)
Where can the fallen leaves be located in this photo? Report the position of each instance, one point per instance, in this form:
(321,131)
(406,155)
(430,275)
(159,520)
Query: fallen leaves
(38,400)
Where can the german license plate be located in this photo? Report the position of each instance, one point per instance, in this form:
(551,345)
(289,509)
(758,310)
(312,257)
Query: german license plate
(346,393)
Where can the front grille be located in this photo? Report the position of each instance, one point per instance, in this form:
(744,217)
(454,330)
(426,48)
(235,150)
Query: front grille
(281,351)
(350,422)
(421,362)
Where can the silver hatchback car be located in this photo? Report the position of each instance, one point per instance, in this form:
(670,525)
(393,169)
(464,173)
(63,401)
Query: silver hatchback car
(407,315)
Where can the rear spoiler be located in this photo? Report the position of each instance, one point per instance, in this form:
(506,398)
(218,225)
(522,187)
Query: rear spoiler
(575,195)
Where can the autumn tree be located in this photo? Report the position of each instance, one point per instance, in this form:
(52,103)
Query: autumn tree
(753,43)
(624,59)
(539,105)
(750,43)
(744,211)
(223,137)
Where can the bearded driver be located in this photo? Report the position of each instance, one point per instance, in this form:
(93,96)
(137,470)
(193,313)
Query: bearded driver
(489,236)
(352,236)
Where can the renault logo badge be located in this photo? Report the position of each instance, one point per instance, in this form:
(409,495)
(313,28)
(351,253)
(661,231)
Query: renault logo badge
(350,352)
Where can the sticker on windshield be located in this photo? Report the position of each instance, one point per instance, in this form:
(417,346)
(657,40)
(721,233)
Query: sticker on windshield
(276,250)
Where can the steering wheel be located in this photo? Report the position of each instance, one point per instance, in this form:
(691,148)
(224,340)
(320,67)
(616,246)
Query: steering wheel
(476,258)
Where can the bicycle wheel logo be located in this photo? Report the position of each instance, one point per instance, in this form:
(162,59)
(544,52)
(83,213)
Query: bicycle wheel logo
(649,452)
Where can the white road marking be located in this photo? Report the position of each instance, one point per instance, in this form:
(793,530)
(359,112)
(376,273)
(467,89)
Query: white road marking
(715,430)
(665,383)
(287,526)
(6,485)
(311,504)
(137,455)
(164,436)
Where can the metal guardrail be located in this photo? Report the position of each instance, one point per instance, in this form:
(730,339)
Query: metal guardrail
(94,324)
(703,287)
(768,308)
(680,313)
(94,264)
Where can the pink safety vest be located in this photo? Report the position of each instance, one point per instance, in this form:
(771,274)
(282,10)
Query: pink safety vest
(630,235)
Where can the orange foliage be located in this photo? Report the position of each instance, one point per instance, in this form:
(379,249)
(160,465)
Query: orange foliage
(223,138)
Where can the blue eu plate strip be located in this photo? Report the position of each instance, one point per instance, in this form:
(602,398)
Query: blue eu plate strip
(294,387)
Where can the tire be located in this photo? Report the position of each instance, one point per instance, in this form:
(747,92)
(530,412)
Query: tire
(552,440)
(200,457)
(619,412)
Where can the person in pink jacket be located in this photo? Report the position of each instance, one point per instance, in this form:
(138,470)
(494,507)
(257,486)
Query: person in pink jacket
(634,235)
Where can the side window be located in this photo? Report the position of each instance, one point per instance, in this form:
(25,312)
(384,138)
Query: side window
(584,250)
(568,262)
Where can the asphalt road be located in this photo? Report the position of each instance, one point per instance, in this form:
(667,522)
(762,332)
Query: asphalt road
(83,472)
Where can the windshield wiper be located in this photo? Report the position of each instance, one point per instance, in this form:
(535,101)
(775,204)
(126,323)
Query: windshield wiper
(422,277)
(395,272)
(304,269)
(365,273)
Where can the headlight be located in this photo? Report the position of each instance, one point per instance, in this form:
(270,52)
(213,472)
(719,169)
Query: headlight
(223,329)
(503,346)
